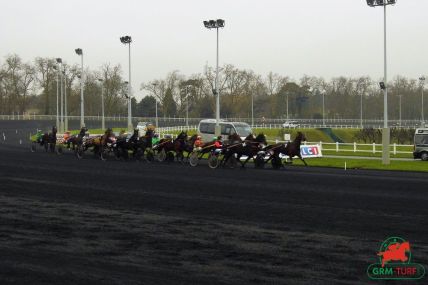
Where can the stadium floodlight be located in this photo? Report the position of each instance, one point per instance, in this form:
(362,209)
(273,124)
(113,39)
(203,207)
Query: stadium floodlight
(220,23)
(216,24)
(127,40)
(373,3)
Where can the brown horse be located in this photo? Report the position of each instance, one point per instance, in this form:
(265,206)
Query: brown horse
(177,145)
(290,149)
(249,147)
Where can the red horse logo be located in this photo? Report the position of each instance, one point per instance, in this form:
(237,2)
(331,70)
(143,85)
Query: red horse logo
(395,252)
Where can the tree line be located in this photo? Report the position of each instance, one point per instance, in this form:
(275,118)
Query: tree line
(32,87)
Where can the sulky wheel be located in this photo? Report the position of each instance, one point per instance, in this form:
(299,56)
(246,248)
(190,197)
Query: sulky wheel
(161,156)
(213,161)
(59,150)
(231,162)
(150,157)
(180,157)
(78,151)
(169,156)
(33,147)
(259,161)
(103,154)
(276,162)
(193,159)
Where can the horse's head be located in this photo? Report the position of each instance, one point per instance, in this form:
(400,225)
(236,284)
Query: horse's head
(234,137)
(182,135)
(261,138)
(193,139)
(250,137)
(300,137)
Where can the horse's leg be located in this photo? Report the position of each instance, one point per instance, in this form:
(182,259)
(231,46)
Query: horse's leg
(225,159)
(248,158)
(301,158)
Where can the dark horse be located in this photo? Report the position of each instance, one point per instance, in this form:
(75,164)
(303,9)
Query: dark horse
(168,145)
(189,145)
(290,149)
(74,140)
(136,144)
(49,140)
(249,147)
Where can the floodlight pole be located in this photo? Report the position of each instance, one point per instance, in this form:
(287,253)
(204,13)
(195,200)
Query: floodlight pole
(82,101)
(156,104)
(386,132)
(217,113)
(361,111)
(130,126)
(287,105)
(79,51)
(323,109)
(65,102)
(57,95)
(187,106)
(61,124)
(399,96)
(422,80)
(103,124)
(252,109)
(211,24)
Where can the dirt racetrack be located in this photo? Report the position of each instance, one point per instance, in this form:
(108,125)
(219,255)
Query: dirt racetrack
(69,221)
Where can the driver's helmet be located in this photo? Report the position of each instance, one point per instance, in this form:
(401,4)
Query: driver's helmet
(150,127)
(136,131)
(219,138)
(156,135)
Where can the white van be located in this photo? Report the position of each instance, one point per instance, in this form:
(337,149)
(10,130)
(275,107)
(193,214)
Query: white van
(421,144)
(206,129)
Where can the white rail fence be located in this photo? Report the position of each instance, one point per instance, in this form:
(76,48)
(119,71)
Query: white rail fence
(362,147)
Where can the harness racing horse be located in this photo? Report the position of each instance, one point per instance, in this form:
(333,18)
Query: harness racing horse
(249,147)
(49,140)
(167,146)
(76,139)
(290,149)
(137,145)
(189,145)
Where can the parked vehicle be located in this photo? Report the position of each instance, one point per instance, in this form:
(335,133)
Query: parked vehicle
(142,127)
(206,129)
(291,124)
(421,144)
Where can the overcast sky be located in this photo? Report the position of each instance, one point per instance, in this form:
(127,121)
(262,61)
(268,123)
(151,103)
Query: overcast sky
(291,37)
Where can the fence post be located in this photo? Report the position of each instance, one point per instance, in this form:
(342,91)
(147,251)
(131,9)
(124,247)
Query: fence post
(355,147)
(321,145)
(374,147)
(395,148)
(337,146)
